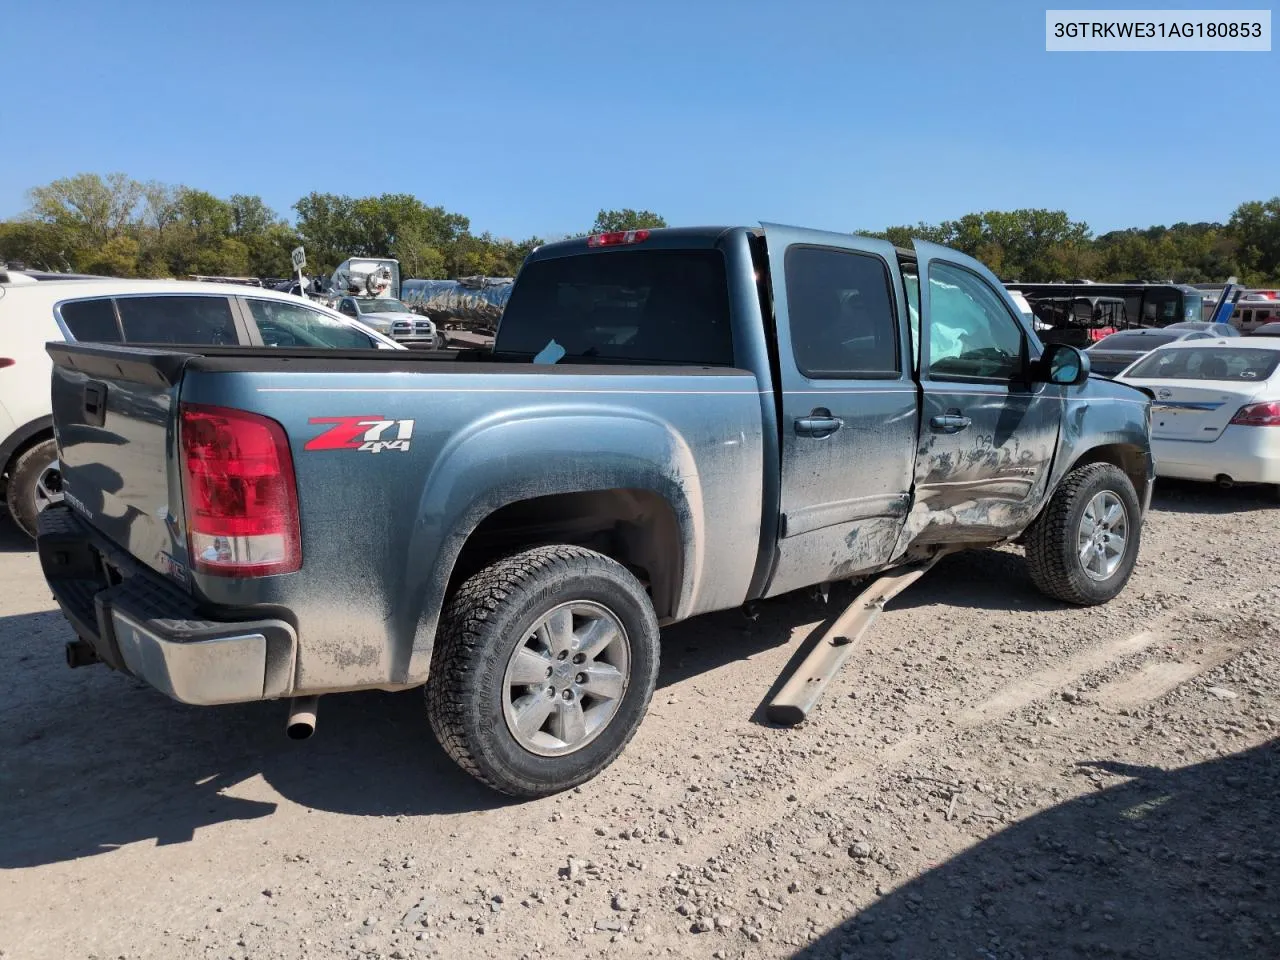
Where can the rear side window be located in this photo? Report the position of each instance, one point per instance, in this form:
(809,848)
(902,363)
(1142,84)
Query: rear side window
(1246,365)
(841,314)
(289,325)
(186,320)
(91,321)
(639,306)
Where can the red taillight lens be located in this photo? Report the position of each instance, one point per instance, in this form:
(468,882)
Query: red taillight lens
(7,362)
(617,238)
(242,504)
(1258,415)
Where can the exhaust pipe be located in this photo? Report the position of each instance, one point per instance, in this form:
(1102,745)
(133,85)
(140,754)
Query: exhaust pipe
(80,654)
(302,717)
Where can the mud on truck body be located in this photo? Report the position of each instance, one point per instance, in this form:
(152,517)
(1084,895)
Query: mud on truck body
(671,422)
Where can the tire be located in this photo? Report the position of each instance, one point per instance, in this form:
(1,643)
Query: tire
(1053,545)
(513,611)
(25,496)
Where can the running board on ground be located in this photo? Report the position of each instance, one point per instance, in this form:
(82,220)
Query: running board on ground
(800,694)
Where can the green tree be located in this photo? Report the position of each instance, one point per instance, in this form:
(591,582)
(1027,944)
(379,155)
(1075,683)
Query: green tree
(608,221)
(1257,228)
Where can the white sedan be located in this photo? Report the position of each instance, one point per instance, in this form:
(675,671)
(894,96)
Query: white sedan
(1216,412)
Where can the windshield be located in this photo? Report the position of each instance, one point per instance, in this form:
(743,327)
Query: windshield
(1206,363)
(380,305)
(1135,341)
(661,306)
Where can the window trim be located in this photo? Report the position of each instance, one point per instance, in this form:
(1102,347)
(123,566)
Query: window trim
(894,374)
(926,362)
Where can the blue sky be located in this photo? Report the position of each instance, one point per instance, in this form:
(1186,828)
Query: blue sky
(529,116)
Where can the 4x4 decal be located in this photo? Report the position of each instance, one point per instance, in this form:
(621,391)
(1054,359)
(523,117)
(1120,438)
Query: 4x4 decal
(370,433)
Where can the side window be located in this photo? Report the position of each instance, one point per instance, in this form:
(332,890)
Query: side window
(841,308)
(971,333)
(193,320)
(91,321)
(290,325)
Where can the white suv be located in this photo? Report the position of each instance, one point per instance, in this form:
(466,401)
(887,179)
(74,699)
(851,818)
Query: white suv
(167,312)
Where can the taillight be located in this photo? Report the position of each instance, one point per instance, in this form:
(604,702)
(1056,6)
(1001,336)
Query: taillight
(1258,415)
(7,362)
(241,501)
(617,238)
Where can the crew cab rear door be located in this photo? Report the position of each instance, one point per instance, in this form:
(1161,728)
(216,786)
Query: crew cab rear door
(987,434)
(848,404)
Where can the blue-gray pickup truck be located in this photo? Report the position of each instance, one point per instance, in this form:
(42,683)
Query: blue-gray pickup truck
(670,422)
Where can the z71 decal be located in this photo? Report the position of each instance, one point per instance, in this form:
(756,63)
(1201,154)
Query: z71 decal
(370,434)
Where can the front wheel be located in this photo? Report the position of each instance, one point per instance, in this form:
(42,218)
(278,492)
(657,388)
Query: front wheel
(1083,547)
(543,668)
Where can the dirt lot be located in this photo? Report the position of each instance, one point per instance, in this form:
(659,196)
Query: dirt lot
(992,776)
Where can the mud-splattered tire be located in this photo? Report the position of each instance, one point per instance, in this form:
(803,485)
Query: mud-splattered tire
(33,485)
(1074,552)
(593,626)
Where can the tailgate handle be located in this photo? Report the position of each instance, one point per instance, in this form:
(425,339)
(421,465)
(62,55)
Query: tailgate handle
(95,403)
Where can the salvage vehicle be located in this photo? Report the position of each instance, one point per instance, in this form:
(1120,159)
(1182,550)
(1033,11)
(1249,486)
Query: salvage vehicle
(1216,409)
(126,311)
(671,422)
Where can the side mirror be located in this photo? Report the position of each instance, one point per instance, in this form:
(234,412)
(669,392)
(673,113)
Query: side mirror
(1063,365)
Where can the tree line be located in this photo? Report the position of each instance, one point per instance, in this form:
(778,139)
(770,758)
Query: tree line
(117,226)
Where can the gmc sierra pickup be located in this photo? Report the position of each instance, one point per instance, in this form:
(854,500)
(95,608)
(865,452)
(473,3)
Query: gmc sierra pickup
(671,422)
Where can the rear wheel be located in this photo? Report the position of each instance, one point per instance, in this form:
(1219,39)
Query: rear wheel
(34,485)
(543,668)
(1083,547)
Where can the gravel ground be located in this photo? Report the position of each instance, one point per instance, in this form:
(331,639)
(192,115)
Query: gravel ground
(992,776)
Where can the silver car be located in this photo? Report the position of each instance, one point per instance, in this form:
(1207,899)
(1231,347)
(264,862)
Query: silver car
(1114,353)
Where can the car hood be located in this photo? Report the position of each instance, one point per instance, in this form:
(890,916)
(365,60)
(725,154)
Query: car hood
(390,317)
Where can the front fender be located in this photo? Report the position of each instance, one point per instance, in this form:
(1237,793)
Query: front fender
(1104,415)
(538,452)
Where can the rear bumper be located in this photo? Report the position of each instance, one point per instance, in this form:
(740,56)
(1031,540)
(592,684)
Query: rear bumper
(1244,454)
(137,622)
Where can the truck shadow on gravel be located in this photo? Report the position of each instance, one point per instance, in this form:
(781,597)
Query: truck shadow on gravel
(1177,863)
(13,540)
(91,760)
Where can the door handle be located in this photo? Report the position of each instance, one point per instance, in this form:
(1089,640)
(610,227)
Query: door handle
(950,422)
(818,425)
(95,403)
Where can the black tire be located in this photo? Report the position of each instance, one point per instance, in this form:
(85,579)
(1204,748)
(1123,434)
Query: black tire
(21,493)
(489,615)
(1052,546)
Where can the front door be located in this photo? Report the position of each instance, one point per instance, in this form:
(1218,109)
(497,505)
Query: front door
(987,435)
(848,405)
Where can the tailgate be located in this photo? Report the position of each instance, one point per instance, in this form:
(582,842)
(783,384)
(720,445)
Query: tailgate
(113,415)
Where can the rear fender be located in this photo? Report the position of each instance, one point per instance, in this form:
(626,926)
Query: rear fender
(504,460)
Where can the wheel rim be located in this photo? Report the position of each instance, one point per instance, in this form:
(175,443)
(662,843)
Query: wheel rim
(566,678)
(1103,536)
(48,491)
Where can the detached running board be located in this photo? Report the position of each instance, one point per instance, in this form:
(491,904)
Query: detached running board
(800,694)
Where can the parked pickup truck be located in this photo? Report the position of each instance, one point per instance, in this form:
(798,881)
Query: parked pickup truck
(671,422)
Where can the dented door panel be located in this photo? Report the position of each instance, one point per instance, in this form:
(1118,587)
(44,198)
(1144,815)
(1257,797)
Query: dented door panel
(986,444)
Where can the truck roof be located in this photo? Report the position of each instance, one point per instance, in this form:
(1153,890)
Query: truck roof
(658,238)
(667,238)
